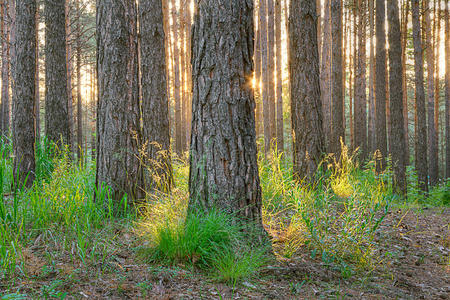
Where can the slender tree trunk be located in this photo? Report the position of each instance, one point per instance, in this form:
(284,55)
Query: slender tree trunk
(338,132)
(24,92)
(279,70)
(223,169)
(4,113)
(360,83)
(308,141)
(447,90)
(79,107)
(404,83)
(421,126)
(56,110)
(155,108)
(352,71)
(177,87)
(183,70)
(325,76)
(258,77)
(69,67)
(437,35)
(380,84)
(265,75)
(118,108)
(271,69)
(37,106)
(397,134)
(433,167)
(371,139)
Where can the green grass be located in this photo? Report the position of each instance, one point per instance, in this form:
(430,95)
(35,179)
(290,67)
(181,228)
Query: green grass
(335,220)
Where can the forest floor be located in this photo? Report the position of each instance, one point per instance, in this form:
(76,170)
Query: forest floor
(413,247)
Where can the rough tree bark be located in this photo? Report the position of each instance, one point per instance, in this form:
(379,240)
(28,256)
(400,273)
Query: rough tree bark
(118,108)
(24,92)
(279,70)
(325,76)
(4,112)
(37,106)
(433,166)
(337,83)
(447,90)
(421,126)
(397,135)
(404,26)
(223,168)
(155,107)
(308,139)
(56,106)
(360,118)
(380,83)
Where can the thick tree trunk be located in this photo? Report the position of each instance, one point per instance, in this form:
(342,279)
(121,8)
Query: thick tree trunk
(118,108)
(337,83)
(433,167)
(325,76)
(421,126)
(380,83)
(4,112)
(447,90)
(56,108)
(223,169)
(265,75)
(397,134)
(360,83)
(24,92)
(155,107)
(308,140)
(371,137)
(279,70)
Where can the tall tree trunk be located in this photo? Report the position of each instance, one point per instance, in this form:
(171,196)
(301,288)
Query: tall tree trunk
(338,132)
(4,112)
(265,75)
(56,108)
(371,138)
(433,167)
(404,83)
(380,83)
(325,76)
(437,35)
(258,77)
(421,126)
(352,65)
(279,70)
(183,73)
(37,106)
(308,141)
(177,87)
(223,169)
(271,69)
(155,107)
(24,92)
(79,107)
(360,83)
(397,134)
(69,63)
(118,108)
(447,90)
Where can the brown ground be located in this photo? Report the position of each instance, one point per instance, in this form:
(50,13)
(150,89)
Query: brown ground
(414,244)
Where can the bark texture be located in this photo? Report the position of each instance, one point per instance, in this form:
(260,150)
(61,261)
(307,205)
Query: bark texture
(56,108)
(118,107)
(360,117)
(421,125)
(4,112)
(447,90)
(24,92)
(337,83)
(155,107)
(433,166)
(308,140)
(279,85)
(380,83)
(397,134)
(325,76)
(371,132)
(223,164)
